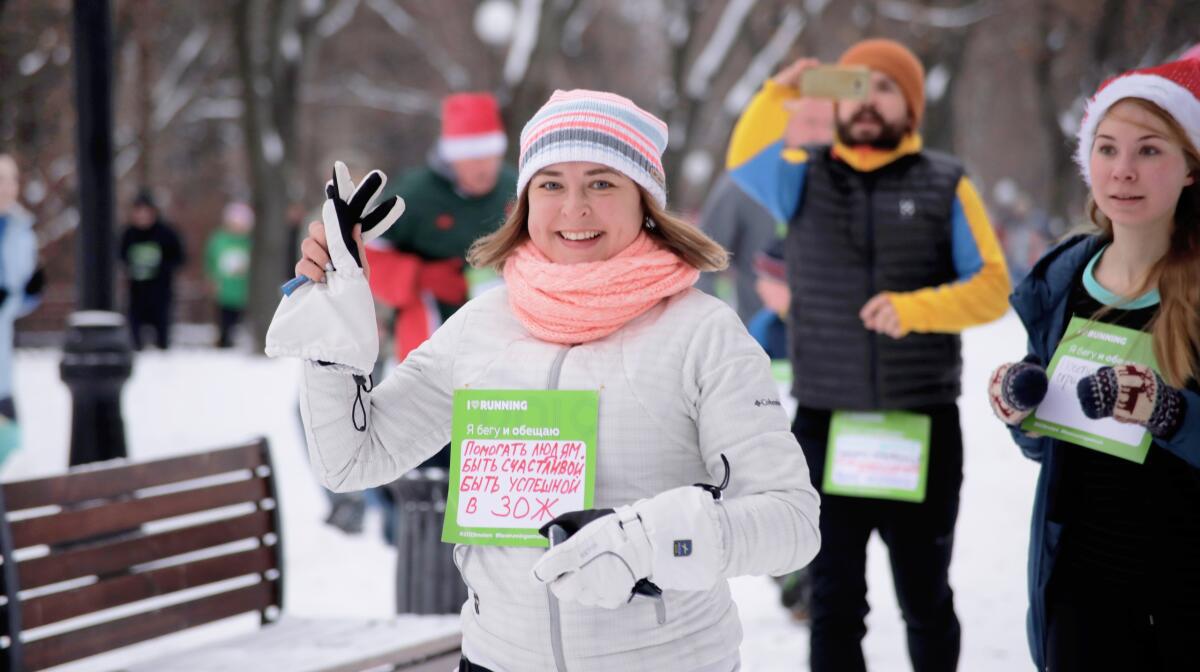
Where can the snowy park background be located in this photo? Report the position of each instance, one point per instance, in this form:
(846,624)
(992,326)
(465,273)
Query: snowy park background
(253,99)
(195,399)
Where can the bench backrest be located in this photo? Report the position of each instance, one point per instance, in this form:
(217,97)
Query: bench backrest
(116,553)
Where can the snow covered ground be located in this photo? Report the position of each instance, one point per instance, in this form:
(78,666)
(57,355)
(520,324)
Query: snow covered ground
(194,399)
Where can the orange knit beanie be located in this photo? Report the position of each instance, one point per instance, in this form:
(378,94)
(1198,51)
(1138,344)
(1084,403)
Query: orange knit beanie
(896,61)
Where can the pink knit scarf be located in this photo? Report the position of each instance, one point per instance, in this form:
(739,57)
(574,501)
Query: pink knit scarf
(578,303)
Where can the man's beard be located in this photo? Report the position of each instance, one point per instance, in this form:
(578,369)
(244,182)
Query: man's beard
(889,135)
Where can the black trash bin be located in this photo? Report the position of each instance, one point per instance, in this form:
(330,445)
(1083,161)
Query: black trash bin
(427,582)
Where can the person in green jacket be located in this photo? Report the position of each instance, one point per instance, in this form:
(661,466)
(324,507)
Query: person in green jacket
(418,266)
(227,263)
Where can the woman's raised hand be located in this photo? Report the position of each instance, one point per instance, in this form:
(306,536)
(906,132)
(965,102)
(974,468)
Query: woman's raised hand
(333,322)
(314,253)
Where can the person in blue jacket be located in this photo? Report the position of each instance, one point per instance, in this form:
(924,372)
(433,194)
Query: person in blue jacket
(768,325)
(1114,553)
(18,261)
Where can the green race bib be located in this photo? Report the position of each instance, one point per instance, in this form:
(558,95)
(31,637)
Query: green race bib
(144,260)
(781,371)
(479,280)
(518,459)
(1086,347)
(881,455)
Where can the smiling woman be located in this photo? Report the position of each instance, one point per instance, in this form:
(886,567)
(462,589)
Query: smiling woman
(597,300)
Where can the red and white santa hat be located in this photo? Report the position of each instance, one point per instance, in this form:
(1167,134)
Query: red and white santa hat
(471,127)
(1175,87)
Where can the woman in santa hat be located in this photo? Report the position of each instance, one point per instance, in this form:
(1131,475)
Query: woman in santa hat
(1114,557)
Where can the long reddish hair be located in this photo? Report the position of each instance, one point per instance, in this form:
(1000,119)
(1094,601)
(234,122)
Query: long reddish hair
(1176,327)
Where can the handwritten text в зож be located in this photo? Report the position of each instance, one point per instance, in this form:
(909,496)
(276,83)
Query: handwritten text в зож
(530,481)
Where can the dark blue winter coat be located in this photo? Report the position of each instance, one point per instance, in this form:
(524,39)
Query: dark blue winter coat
(1041,302)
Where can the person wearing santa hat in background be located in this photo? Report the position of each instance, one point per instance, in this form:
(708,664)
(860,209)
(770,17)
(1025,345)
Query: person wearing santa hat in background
(1114,546)
(461,194)
(418,267)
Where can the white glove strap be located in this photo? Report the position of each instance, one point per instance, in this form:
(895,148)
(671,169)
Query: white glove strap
(628,516)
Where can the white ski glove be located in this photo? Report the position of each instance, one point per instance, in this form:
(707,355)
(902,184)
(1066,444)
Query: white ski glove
(334,322)
(673,539)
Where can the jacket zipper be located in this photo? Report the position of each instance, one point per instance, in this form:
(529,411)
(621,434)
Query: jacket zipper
(869,186)
(556,644)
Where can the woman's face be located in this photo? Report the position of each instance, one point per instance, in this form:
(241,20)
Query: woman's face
(1138,172)
(581,212)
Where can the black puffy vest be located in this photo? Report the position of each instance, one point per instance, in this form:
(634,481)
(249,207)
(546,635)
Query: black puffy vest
(857,234)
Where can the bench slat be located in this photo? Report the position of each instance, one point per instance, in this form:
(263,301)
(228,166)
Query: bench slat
(324,645)
(59,649)
(110,481)
(126,515)
(118,555)
(39,611)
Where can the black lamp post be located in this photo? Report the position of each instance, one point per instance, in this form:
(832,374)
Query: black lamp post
(97,358)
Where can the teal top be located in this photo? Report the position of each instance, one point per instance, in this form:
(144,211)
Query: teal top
(1110,299)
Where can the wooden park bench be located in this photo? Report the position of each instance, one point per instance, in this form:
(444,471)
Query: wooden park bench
(114,554)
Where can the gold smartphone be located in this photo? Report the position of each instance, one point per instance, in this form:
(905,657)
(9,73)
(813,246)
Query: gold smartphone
(838,83)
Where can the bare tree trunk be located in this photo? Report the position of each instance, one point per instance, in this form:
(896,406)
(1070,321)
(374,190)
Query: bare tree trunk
(1108,31)
(527,95)
(944,56)
(1062,171)
(1181,24)
(275,42)
(264,154)
(143,27)
(683,116)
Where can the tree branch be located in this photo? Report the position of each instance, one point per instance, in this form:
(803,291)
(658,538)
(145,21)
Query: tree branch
(454,74)
(937,17)
(767,58)
(716,50)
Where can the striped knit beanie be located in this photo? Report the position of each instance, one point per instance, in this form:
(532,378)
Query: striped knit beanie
(597,127)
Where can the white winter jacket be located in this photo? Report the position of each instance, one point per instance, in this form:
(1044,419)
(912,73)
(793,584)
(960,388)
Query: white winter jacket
(679,386)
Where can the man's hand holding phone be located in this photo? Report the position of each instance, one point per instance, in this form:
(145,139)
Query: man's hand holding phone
(791,75)
(814,80)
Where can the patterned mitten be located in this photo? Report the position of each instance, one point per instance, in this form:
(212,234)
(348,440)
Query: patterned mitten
(1014,390)
(1134,394)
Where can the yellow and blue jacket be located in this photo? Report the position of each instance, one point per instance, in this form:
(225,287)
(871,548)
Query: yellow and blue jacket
(774,176)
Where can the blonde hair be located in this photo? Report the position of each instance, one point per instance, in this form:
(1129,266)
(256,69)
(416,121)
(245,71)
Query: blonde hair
(675,233)
(1176,326)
